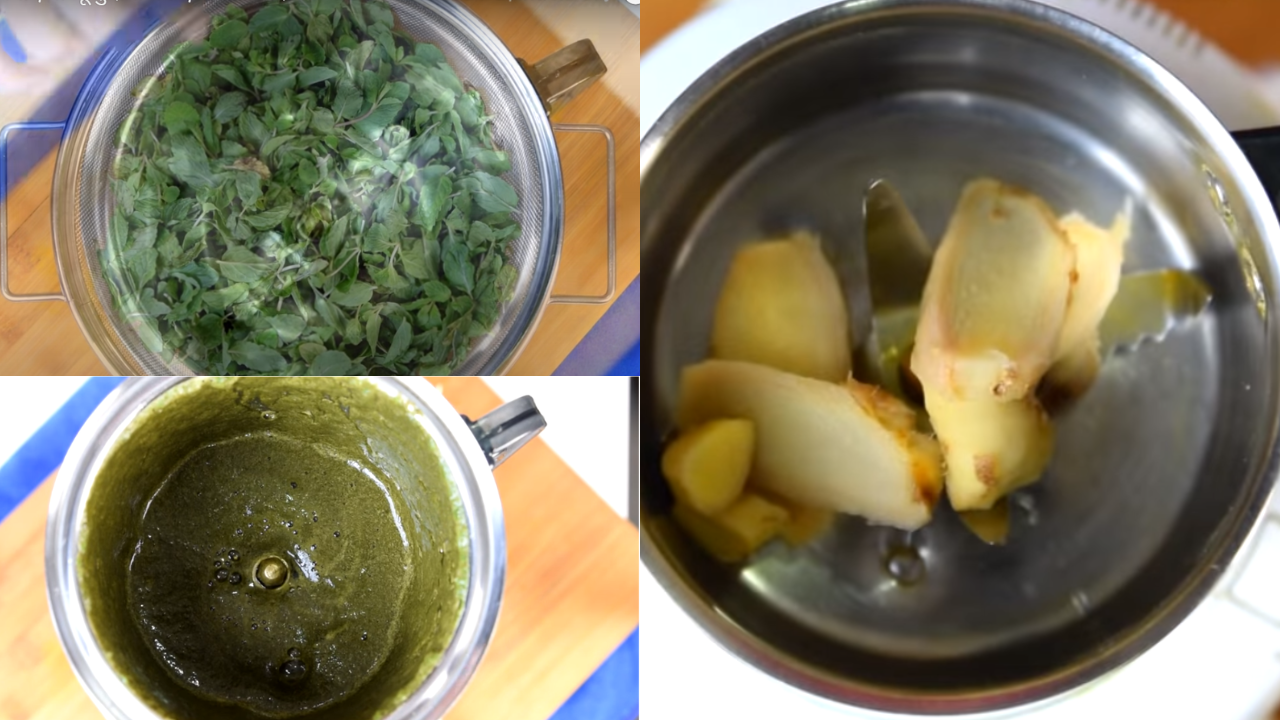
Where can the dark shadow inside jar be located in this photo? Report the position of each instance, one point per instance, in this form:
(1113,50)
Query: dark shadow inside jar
(273,547)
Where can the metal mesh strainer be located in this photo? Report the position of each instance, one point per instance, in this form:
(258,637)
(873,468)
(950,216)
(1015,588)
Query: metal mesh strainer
(83,203)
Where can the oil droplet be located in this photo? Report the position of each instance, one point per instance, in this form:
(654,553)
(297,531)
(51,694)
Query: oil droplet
(268,415)
(1080,601)
(217,563)
(293,671)
(221,575)
(336,533)
(295,653)
(253,626)
(235,578)
(234,555)
(315,518)
(904,564)
(1027,504)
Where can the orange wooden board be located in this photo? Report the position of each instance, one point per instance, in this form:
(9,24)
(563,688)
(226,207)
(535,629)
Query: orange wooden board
(572,594)
(44,339)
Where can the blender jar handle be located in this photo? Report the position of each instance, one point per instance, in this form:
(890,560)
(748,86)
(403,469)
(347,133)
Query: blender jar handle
(505,430)
(4,212)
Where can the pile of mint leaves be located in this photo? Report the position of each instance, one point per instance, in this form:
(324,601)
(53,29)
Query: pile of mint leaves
(308,191)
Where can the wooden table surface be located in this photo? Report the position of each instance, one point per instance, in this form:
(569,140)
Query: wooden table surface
(1246,29)
(44,339)
(572,594)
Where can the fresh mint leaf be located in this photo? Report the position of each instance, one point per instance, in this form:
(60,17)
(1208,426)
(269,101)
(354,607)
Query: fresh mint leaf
(400,343)
(288,327)
(358,294)
(348,100)
(316,74)
(242,265)
(279,82)
(180,117)
(458,269)
(493,193)
(378,12)
(330,363)
(229,107)
(268,18)
(257,357)
(231,75)
(226,297)
(228,35)
(268,219)
(432,200)
(334,236)
(309,191)
(436,291)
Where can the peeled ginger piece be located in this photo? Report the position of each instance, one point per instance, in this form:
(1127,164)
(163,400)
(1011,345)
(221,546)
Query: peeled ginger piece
(846,447)
(991,447)
(805,523)
(707,466)
(781,306)
(1099,254)
(736,532)
(996,297)
(992,525)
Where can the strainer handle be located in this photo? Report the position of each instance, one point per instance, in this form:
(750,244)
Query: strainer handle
(613,221)
(4,211)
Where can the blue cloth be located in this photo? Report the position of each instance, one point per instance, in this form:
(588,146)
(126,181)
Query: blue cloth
(612,346)
(612,692)
(629,365)
(43,452)
(9,43)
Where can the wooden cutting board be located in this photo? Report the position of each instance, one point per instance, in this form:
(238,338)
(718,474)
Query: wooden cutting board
(44,339)
(572,594)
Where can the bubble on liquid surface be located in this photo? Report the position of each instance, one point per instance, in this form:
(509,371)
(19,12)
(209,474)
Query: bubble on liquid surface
(268,415)
(1080,601)
(293,671)
(1027,504)
(904,564)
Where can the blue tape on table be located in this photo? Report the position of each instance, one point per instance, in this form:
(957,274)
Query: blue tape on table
(629,365)
(9,43)
(40,455)
(613,690)
(605,349)
(30,148)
